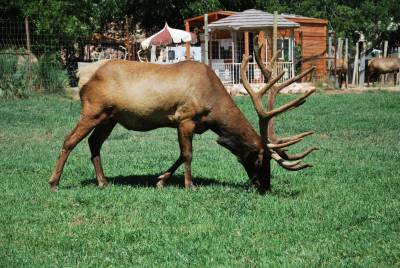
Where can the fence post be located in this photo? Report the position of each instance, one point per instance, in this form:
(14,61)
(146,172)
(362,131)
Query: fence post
(206,39)
(275,41)
(385,47)
(346,58)
(355,69)
(127,41)
(338,56)
(362,65)
(398,74)
(28,49)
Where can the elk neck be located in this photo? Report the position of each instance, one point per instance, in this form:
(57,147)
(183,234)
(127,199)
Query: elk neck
(235,132)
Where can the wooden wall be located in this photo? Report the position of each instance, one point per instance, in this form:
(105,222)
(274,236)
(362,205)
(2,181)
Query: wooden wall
(312,38)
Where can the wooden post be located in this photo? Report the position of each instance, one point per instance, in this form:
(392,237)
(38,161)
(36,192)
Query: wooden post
(398,74)
(362,65)
(329,55)
(346,58)
(210,49)
(385,47)
(28,49)
(275,41)
(246,43)
(127,40)
(339,51)
(233,70)
(153,56)
(206,39)
(261,37)
(302,48)
(338,56)
(187,29)
(355,70)
(292,47)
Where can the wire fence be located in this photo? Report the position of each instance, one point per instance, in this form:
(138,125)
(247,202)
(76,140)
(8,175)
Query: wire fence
(32,61)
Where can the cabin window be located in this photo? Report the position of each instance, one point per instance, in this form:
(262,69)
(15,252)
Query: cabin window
(221,49)
(284,46)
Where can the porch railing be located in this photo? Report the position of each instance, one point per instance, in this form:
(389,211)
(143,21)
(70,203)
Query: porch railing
(229,73)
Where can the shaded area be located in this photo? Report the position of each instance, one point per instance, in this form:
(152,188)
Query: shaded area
(150,180)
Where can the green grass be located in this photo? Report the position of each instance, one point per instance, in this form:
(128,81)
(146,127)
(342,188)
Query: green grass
(345,211)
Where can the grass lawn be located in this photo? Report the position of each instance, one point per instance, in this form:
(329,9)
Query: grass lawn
(345,211)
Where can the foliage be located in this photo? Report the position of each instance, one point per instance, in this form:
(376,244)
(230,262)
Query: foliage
(377,20)
(49,75)
(13,75)
(343,212)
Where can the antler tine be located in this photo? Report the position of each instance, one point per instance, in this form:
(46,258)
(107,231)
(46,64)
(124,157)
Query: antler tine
(294,79)
(274,58)
(267,72)
(256,98)
(289,105)
(257,52)
(297,167)
(282,145)
(295,137)
(297,156)
(271,83)
(280,159)
(292,166)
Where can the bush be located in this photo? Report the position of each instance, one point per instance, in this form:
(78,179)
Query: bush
(49,75)
(13,75)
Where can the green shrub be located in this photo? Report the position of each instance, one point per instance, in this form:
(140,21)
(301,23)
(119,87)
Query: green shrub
(13,75)
(49,75)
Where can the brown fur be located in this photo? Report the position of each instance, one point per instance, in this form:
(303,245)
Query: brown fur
(143,96)
(340,70)
(383,66)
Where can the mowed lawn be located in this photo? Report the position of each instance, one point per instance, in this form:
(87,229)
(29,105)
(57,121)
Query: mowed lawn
(345,211)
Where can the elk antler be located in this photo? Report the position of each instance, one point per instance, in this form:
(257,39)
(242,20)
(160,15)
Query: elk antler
(271,142)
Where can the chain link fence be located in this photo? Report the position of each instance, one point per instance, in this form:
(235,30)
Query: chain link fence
(32,62)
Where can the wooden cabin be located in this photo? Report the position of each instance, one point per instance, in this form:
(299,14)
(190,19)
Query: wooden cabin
(230,38)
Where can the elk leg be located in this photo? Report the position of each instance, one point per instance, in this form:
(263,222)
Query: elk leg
(96,140)
(82,129)
(185,136)
(164,177)
(369,79)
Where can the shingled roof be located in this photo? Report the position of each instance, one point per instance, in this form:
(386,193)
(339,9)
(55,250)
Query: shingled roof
(251,19)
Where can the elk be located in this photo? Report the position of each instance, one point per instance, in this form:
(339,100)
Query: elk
(340,69)
(190,97)
(383,66)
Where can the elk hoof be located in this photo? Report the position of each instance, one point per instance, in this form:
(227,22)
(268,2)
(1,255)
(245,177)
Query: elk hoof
(102,183)
(160,184)
(190,186)
(53,186)
(165,176)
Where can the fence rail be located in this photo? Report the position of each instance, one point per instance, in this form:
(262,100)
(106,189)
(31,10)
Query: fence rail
(229,73)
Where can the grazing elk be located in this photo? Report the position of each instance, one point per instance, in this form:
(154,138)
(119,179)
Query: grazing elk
(383,66)
(190,97)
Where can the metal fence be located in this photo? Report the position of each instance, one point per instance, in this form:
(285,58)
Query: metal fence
(229,73)
(32,61)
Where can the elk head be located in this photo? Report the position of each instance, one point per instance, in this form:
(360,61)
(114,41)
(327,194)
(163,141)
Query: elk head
(273,147)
